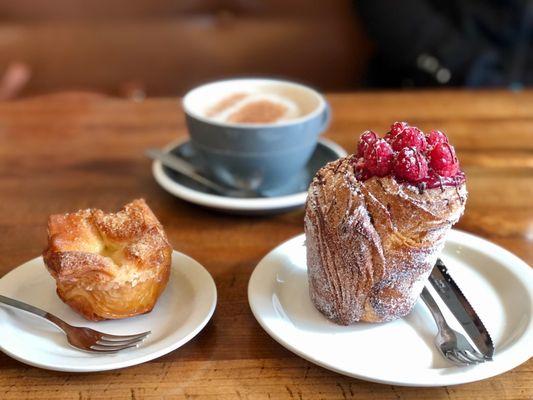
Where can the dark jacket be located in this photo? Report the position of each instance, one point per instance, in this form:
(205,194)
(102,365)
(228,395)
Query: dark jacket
(449,42)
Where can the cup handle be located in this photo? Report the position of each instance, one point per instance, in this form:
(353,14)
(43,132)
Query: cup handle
(326,117)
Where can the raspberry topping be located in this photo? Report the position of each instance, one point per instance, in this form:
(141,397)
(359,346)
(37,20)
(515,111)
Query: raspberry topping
(443,161)
(410,137)
(366,139)
(410,156)
(411,165)
(434,180)
(378,158)
(435,137)
(396,128)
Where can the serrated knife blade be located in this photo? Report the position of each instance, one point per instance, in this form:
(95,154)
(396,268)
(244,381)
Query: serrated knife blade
(461,309)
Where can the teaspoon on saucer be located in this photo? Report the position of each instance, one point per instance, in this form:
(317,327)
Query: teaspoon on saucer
(183,167)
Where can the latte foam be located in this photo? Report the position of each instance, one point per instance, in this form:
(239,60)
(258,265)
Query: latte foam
(259,108)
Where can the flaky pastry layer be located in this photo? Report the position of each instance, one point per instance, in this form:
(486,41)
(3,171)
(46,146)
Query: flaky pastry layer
(371,245)
(108,265)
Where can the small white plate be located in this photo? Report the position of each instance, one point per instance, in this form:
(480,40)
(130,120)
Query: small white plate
(292,195)
(181,312)
(497,283)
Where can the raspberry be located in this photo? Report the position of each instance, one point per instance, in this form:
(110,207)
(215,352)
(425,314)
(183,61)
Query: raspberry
(410,165)
(435,137)
(432,179)
(396,128)
(443,160)
(378,158)
(362,174)
(410,137)
(366,139)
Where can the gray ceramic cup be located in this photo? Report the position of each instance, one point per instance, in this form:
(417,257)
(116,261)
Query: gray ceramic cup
(255,156)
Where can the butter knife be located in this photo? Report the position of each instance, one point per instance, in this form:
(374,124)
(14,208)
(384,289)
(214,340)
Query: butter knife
(461,309)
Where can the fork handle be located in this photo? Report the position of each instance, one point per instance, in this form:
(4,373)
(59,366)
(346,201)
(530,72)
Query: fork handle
(33,310)
(22,306)
(434,309)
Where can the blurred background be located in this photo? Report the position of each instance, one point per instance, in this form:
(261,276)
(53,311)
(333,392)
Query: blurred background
(138,48)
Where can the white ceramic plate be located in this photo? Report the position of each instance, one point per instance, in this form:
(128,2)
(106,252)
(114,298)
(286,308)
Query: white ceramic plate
(181,312)
(497,283)
(292,195)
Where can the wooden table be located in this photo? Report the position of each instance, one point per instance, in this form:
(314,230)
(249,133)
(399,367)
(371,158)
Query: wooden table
(73,151)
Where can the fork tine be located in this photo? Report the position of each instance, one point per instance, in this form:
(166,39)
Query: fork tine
(116,343)
(107,336)
(109,349)
(453,358)
(474,355)
(461,356)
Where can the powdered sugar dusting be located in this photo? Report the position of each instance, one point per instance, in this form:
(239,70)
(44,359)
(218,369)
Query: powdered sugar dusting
(102,250)
(108,265)
(371,245)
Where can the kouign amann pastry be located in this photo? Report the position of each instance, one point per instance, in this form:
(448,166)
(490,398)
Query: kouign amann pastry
(376,221)
(108,266)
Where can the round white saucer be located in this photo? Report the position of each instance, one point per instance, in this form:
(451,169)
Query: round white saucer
(497,283)
(184,308)
(291,195)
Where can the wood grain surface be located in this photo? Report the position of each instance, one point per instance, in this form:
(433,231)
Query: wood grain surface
(72,151)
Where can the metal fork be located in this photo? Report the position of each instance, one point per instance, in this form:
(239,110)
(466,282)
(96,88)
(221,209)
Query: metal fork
(86,339)
(452,344)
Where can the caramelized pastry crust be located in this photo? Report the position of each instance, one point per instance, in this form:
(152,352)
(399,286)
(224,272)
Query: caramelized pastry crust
(108,266)
(371,244)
